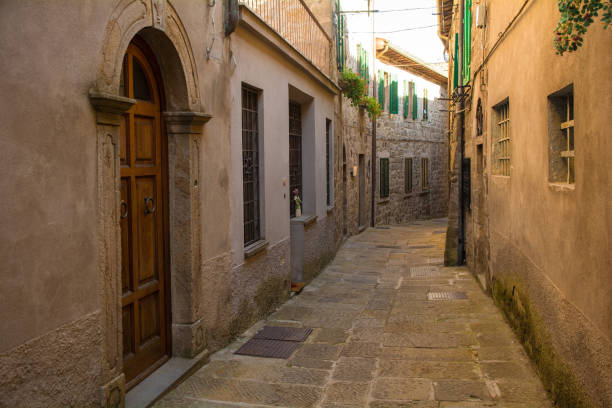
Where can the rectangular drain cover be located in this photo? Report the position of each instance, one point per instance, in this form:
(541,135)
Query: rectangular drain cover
(388,246)
(420,246)
(283,333)
(446,295)
(268,348)
(424,272)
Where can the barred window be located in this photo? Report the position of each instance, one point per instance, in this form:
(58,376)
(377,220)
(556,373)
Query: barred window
(328,165)
(384,177)
(408,175)
(250,164)
(502,139)
(425,173)
(561,136)
(295,155)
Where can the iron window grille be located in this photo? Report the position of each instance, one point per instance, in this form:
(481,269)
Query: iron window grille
(502,142)
(295,154)
(250,164)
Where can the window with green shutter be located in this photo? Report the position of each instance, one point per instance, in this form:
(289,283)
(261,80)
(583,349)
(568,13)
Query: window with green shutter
(340,45)
(381,90)
(384,178)
(415,103)
(393,96)
(406,99)
(425,105)
(363,65)
(456,63)
(467,41)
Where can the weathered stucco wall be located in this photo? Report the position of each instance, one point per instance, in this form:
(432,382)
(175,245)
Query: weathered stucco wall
(54,325)
(546,246)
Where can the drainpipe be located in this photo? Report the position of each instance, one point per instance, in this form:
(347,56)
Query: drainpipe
(374,83)
(460,124)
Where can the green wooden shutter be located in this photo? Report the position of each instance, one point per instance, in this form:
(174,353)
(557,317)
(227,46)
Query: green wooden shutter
(340,39)
(456,63)
(425,105)
(406,98)
(467,41)
(415,103)
(381,90)
(394,96)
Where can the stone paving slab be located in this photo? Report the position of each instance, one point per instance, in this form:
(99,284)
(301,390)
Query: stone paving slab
(377,341)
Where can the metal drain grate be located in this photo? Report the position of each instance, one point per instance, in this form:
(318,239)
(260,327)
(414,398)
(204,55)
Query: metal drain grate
(420,246)
(388,246)
(283,333)
(274,342)
(268,348)
(446,295)
(440,232)
(424,272)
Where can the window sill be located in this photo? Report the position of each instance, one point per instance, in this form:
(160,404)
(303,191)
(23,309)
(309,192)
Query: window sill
(562,187)
(304,219)
(383,200)
(424,192)
(330,208)
(255,248)
(407,195)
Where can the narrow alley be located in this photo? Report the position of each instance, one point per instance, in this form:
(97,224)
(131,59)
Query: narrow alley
(377,339)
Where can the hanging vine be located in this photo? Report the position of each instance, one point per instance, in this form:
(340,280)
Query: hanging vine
(576,17)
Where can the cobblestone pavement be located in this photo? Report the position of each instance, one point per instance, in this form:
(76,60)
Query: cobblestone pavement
(377,340)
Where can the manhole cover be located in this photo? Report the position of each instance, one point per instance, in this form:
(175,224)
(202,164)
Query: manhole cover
(283,333)
(268,348)
(446,295)
(424,272)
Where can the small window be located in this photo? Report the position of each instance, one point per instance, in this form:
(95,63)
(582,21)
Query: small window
(561,136)
(425,173)
(408,175)
(250,164)
(141,83)
(479,118)
(328,165)
(384,178)
(501,147)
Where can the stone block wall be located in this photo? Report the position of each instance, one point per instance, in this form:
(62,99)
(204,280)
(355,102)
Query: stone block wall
(398,138)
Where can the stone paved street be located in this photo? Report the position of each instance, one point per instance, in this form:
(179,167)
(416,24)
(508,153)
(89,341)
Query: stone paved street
(377,340)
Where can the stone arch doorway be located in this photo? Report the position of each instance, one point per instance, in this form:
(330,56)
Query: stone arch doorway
(143,218)
(157,28)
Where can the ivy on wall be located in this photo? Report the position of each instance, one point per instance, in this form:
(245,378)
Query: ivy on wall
(576,17)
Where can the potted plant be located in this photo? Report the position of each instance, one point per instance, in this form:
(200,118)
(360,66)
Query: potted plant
(298,202)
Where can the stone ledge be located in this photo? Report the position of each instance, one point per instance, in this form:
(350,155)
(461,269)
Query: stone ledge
(255,248)
(562,187)
(304,220)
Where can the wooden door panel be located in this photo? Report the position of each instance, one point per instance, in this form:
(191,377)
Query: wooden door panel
(128,330)
(125,214)
(145,151)
(148,308)
(124,141)
(147,227)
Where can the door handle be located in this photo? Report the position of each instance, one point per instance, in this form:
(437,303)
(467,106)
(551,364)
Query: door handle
(150,206)
(124,209)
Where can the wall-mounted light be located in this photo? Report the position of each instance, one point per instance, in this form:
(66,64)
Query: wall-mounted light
(211,3)
(481,16)
(354,173)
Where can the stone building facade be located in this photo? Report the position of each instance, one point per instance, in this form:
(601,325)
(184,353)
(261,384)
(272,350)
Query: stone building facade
(399,139)
(123,150)
(535,193)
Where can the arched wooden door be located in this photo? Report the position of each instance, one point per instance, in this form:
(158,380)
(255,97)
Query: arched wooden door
(143,185)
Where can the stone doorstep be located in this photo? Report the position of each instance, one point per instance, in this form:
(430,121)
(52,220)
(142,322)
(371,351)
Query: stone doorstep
(163,380)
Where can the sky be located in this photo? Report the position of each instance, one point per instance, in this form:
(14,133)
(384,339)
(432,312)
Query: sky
(398,26)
